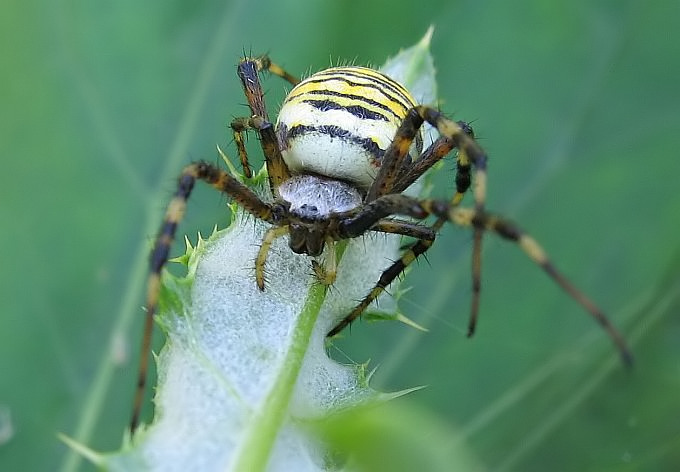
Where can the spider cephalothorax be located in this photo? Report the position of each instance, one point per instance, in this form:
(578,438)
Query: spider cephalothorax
(346,145)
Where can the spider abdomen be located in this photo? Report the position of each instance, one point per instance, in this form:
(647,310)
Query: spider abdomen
(340,121)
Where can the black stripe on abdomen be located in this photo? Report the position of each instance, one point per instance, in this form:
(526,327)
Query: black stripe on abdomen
(367,144)
(371,85)
(356,110)
(383,83)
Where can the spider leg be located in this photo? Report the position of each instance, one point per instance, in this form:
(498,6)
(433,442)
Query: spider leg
(263,62)
(433,154)
(248,71)
(405,228)
(439,149)
(240,125)
(453,135)
(327,272)
(269,237)
(509,231)
(463,182)
(221,181)
(426,237)
(394,158)
(473,218)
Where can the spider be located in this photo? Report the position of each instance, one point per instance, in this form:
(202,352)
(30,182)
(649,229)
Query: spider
(346,145)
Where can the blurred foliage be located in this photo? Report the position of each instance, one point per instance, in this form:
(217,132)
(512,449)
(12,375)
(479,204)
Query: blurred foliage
(576,103)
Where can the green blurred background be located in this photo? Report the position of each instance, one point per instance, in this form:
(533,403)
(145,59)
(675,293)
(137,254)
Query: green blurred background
(577,105)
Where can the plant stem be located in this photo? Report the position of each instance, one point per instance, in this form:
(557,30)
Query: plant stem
(257,447)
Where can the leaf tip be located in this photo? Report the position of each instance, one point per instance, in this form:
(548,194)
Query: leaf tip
(427,38)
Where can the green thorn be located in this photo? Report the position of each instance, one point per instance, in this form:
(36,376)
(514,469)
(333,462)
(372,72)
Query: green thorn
(232,170)
(410,322)
(86,452)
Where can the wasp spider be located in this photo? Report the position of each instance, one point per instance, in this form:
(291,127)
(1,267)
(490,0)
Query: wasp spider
(347,142)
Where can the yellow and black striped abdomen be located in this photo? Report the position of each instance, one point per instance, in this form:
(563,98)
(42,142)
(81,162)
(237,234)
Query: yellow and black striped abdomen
(339,122)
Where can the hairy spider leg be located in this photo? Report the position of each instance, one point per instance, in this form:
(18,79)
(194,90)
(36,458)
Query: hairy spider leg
(472,153)
(459,136)
(397,204)
(269,237)
(393,161)
(433,154)
(440,148)
(436,152)
(239,126)
(221,181)
(425,235)
(327,272)
(248,71)
(405,228)
(511,232)
(264,62)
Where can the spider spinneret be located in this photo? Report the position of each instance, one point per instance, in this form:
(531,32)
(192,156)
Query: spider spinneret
(346,144)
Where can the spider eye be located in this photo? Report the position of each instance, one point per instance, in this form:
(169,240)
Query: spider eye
(307,211)
(310,208)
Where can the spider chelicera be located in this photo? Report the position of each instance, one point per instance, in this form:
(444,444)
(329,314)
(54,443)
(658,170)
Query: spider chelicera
(346,145)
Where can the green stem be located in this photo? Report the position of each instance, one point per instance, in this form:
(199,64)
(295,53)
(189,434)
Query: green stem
(257,447)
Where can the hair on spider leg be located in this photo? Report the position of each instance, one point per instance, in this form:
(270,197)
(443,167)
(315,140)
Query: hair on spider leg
(245,53)
(317,280)
(266,273)
(252,222)
(424,257)
(402,276)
